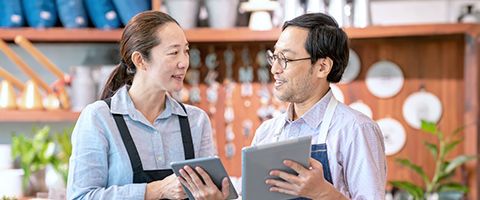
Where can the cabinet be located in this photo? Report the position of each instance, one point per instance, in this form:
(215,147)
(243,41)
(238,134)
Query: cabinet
(445,58)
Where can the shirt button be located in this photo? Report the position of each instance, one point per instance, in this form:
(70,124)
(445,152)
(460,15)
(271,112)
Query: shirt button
(156,132)
(159,158)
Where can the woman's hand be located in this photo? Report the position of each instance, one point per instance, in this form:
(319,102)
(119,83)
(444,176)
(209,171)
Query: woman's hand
(200,190)
(168,188)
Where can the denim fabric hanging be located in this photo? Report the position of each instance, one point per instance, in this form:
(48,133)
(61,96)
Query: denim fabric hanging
(11,13)
(72,13)
(40,13)
(129,8)
(103,14)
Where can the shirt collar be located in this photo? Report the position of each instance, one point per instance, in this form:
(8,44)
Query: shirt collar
(314,115)
(122,104)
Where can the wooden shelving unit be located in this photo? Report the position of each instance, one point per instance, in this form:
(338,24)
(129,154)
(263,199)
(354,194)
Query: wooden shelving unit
(240,34)
(448,54)
(38,116)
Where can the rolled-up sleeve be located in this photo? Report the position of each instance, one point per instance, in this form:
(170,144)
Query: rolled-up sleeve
(88,170)
(364,158)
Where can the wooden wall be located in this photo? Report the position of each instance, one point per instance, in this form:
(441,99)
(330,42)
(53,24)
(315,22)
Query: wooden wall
(435,62)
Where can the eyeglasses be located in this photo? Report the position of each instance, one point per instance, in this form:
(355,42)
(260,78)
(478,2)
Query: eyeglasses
(282,60)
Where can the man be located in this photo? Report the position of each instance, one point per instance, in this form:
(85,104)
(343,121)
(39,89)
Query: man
(349,161)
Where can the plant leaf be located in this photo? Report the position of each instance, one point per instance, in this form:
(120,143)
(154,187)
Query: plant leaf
(415,168)
(446,187)
(444,175)
(459,160)
(459,129)
(429,127)
(450,146)
(432,148)
(411,188)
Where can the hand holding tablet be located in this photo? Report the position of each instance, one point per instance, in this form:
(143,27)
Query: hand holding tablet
(204,174)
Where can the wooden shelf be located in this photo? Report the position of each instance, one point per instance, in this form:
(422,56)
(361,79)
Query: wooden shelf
(239,34)
(62,34)
(38,116)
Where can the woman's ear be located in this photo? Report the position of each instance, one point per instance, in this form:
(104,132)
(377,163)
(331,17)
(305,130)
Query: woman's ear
(138,60)
(324,66)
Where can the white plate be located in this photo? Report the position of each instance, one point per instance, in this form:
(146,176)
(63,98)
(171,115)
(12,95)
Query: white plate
(353,68)
(384,79)
(393,135)
(421,105)
(337,93)
(362,107)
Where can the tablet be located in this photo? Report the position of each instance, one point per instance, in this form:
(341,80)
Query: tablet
(214,168)
(258,161)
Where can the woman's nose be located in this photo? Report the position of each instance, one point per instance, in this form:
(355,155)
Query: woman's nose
(184,61)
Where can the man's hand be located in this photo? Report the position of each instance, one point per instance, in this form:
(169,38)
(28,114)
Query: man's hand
(309,183)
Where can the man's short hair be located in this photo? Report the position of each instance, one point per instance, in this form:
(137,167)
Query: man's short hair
(325,39)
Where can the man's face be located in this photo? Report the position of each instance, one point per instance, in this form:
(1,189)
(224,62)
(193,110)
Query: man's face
(296,82)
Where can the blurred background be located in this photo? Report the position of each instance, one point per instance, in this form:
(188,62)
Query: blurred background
(410,61)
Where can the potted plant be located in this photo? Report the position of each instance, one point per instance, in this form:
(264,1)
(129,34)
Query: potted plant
(441,183)
(45,156)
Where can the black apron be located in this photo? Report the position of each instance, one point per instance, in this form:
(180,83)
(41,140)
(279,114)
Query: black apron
(147,176)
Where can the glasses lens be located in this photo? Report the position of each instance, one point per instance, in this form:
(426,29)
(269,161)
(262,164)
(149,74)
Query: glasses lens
(282,60)
(270,57)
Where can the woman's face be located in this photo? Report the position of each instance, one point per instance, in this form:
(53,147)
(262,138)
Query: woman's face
(169,60)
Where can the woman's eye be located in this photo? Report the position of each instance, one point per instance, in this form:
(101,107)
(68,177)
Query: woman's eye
(173,53)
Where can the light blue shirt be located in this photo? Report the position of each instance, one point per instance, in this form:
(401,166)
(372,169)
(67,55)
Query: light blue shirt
(355,148)
(100,167)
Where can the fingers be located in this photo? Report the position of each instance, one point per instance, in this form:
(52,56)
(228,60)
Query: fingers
(225,187)
(280,184)
(186,180)
(193,175)
(286,176)
(205,177)
(281,190)
(315,164)
(295,166)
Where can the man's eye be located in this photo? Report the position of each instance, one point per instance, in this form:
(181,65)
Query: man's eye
(173,53)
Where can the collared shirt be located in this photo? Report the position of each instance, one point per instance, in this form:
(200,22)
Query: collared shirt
(355,148)
(100,167)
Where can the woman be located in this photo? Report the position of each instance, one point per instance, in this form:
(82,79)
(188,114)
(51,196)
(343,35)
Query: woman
(124,143)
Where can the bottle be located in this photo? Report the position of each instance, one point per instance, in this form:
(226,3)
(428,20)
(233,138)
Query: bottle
(468,15)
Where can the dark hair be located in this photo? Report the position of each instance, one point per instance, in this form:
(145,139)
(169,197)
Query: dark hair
(139,35)
(325,39)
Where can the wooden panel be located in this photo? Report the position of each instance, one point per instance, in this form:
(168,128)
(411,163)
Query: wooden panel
(472,113)
(37,116)
(425,61)
(434,62)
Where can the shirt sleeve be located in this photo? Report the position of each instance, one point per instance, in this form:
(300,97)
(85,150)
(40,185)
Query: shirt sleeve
(88,170)
(207,147)
(364,163)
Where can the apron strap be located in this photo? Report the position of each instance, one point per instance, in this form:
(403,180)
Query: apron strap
(327,118)
(186,135)
(127,140)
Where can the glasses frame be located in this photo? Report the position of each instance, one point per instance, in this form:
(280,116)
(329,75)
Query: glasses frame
(271,58)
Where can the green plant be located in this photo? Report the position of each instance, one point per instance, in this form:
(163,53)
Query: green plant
(64,151)
(43,149)
(444,169)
